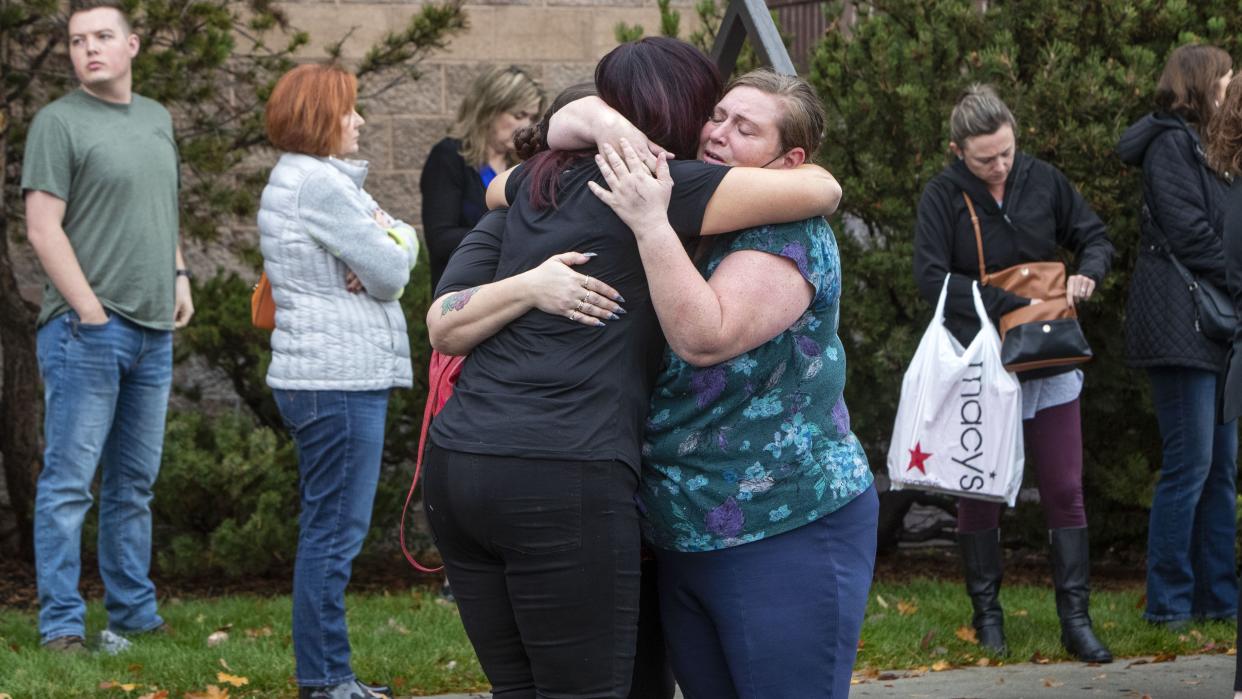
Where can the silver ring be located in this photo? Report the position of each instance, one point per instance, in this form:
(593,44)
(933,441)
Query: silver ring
(573,315)
(578,307)
(586,282)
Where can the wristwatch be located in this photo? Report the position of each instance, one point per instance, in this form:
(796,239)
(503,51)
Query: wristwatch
(184,273)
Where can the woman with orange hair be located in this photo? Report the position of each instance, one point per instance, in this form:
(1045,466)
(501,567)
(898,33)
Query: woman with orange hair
(337,264)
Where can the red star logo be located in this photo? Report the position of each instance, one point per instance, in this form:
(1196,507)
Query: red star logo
(918,459)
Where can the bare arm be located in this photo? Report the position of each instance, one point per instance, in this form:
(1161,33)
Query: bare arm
(495,196)
(751,196)
(591,123)
(460,320)
(751,298)
(45,215)
(183,306)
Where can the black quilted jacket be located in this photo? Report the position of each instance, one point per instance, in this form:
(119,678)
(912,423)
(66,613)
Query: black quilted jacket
(1183,204)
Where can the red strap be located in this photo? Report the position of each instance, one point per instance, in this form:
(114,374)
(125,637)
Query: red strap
(441,378)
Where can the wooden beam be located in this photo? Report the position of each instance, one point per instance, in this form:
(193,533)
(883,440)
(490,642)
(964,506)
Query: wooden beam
(751,18)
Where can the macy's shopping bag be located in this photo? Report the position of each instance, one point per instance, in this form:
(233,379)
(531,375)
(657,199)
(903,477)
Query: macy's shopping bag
(959,424)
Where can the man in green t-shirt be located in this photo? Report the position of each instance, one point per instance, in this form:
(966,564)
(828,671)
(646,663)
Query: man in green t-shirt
(100,180)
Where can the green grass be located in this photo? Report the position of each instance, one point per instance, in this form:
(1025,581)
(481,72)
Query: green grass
(919,627)
(417,643)
(406,638)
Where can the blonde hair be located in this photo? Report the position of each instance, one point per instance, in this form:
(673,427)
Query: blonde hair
(494,92)
(802,119)
(979,111)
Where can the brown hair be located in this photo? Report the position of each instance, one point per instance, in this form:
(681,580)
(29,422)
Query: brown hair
(533,139)
(1187,86)
(802,119)
(1224,135)
(495,91)
(305,110)
(77,6)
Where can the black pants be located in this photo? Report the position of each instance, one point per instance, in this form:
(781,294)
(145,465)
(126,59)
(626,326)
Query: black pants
(543,558)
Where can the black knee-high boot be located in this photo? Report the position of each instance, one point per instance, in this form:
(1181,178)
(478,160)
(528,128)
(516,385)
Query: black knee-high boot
(1071,565)
(981,556)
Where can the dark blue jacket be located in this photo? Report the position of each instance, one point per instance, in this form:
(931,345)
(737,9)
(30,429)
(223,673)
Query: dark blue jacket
(1183,208)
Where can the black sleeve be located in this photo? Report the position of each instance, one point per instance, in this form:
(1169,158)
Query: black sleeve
(443,186)
(1233,246)
(934,240)
(694,183)
(474,263)
(1174,180)
(1081,231)
(514,182)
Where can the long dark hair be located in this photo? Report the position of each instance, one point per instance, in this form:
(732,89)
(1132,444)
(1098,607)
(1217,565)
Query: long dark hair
(665,87)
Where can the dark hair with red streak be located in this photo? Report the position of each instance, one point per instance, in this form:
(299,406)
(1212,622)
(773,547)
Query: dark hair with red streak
(665,87)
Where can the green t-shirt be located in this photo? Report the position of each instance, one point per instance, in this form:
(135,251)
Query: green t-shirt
(115,166)
(760,444)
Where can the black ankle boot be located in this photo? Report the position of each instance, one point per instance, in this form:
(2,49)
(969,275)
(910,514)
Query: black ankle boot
(1070,572)
(981,556)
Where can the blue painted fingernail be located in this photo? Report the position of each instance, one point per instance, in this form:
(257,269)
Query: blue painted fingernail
(622,311)
(613,316)
(619,298)
(599,323)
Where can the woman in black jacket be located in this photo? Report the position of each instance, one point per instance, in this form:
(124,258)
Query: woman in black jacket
(1190,540)
(1225,156)
(1027,211)
(459,168)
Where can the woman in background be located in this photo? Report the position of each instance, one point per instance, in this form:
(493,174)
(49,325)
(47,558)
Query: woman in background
(1190,539)
(459,168)
(337,264)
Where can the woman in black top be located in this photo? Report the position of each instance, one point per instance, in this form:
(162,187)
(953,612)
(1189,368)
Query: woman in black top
(533,464)
(1027,210)
(1190,539)
(1224,153)
(458,169)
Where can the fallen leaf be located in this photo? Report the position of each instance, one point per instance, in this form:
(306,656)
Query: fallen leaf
(1039,659)
(396,626)
(224,664)
(927,639)
(134,668)
(1142,602)
(261,632)
(157,694)
(1140,661)
(200,618)
(888,676)
(968,634)
(216,638)
(5,696)
(398,683)
(234,680)
(1209,646)
(1231,651)
(940,666)
(1165,657)
(983,662)
(1109,625)
(212,692)
(905,608)
(1021,612)
(113,684)
(1049,682)
(1197,634)
(879,599)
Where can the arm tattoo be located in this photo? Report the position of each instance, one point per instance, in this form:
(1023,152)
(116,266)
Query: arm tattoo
(457,301)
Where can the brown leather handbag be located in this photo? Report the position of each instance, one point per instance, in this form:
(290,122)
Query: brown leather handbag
(1042,335)
(262,305)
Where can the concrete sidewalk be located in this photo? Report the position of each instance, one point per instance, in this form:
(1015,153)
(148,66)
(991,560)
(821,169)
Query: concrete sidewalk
(1188,676)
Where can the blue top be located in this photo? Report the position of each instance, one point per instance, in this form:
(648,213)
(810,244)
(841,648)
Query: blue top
(760,444)
(487,174)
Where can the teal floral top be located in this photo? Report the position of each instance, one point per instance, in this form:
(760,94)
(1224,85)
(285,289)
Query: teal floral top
(760,444)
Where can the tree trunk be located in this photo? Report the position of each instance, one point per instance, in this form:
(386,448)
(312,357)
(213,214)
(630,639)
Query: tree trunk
(21,403)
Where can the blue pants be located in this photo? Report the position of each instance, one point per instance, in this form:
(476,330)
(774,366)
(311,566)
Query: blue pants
(778,618)
(106,396)
(1190,558)
(340,441)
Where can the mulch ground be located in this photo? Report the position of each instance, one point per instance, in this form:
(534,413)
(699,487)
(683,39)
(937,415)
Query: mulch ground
(17,584)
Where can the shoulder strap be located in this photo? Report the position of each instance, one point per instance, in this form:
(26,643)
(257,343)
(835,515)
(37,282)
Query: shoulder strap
(974,222)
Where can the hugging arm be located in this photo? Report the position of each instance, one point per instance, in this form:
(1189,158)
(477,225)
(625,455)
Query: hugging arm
(751,298)
(470,307)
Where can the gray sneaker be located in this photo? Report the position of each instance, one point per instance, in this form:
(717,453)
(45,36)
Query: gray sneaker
(71,645)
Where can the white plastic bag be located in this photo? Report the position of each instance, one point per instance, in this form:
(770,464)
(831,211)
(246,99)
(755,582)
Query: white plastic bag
(959,424)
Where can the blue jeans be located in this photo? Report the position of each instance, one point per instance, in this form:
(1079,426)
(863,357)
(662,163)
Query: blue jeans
(105,388)
(1190,559)
(340,440)
(776,618)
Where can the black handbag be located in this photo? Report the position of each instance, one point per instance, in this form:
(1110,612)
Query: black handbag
(1045,345)
(1215,315)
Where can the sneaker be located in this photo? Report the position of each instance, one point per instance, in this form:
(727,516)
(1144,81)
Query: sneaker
(67,644)
(346,690)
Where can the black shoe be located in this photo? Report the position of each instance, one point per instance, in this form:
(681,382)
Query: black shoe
(981,557)
(1070,573)
(346,690)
